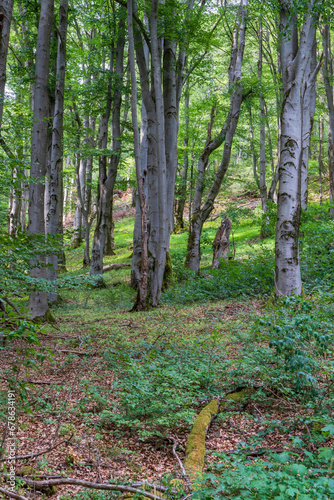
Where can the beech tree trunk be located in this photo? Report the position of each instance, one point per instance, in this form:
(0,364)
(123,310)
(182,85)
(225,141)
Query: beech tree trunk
(161,80)
(38,302)
(107,177)
(295,60)
(142,268)
(55,207)
(320,162)
(262,177)
(220,245)
(200,214)
(6,9)
(327,72)
(309,101)
(182,191)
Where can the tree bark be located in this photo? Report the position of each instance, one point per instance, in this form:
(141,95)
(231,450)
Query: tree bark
(320,162)
(142,268)
(55,207)
(38,303)
(295,59)
(107,178)
(182,191)
(200,214)
(220,244)
(6,9)
(327,72)
(262,177)
(309,101)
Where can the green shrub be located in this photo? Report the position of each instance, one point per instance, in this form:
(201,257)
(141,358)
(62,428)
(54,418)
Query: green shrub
(249,277)
(280,477)
(159,386)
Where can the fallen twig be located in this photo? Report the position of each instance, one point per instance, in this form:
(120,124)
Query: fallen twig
(175,441)
(12,494)
(33,455)
(40,485)
(111,267)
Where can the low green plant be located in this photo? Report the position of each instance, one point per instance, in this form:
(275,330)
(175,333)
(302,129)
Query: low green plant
(159,386)
(280,477)
(248,277)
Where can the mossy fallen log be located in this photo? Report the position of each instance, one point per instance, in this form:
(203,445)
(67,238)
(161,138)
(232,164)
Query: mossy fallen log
(195,448)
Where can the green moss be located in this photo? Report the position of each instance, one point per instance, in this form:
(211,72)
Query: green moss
(48,317)
(237,397)
(195,449)
(168,273)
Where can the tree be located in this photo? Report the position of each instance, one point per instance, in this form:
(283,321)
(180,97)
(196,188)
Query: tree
(201,213)
(296,55)
(54,215)
(38,300)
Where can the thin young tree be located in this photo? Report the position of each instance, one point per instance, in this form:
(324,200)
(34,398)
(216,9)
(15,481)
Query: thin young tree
(201,212)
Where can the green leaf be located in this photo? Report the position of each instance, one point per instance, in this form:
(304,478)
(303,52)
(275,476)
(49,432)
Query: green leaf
(299,469)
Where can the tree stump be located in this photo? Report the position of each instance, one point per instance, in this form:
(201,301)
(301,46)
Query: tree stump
(221,244)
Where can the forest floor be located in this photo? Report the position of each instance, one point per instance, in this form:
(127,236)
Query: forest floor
(118,387)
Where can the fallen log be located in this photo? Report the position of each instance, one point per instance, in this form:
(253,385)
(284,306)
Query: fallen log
(195,447)
(112,267)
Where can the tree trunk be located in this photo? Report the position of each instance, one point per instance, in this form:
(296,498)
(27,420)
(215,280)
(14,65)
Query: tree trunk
(320,162)
(6,9)
(328,73)
(15,204)
(55,207)
(182,191)
(295,61)
(142,268)
(220,245)
(254,156)
(38,303)
(262,177)
(309,101)
(226,135)
(107,178)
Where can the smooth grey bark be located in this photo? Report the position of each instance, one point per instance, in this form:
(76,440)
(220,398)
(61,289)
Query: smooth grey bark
(137,240)
(295,60)
(161,85)
(55,206)
(320,161)
(88,194)
(262,177)
(309,101)
(25,200)
(328,73)
(142,268)
(158,244)
(38,303)
(182,191)
(252,144)
(201,213)
(107,177)
(77,223)
(15,201)
(6,9)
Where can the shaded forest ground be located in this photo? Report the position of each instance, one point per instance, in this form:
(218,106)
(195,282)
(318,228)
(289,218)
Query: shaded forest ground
(118,387)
